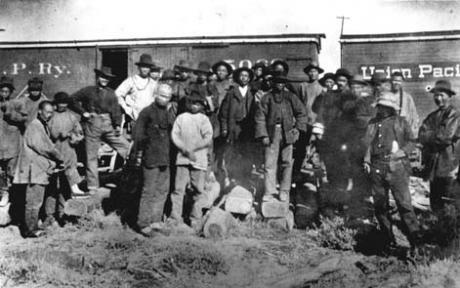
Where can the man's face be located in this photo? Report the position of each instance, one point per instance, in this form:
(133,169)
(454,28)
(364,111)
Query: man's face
(313,74)
(5,93)
(46,112)
(103,82)
(155,75)
(162,99)
(35,93)
(442,99)
(259,72)
(222,72)
(61,107)
(244,78)
(144,71)
(396,83)
(342,82)
(195,107)
(329,83)
(357,89)
(279,86)
(201,77)
(279,68)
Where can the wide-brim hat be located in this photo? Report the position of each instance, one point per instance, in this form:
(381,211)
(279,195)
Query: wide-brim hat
(260,64)
(443,86)
(379,78)
(6,81)
(61,97)
(105,71)
(280,78)
(237,72)
(222,63)
(388,99)
(184,65)
(203,67)
(145,60)
(359,79)
(282,63)
(35,84)
(326,76)
(313,65)
(342,72)
(169,75)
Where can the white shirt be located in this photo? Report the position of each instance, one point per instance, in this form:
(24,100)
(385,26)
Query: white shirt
(136,93)
(243,90)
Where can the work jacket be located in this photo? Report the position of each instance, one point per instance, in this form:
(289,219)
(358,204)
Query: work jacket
(439,136)
(293,113)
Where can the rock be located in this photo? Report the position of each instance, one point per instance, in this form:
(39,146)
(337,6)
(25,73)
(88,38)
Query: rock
(275,209)
(82,206)
(218,223)
(239,201)
(5,218)
(283,223)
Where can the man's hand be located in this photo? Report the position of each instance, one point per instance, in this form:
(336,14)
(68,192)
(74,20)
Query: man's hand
(117,131)
(295,134)
(86,115)
(266,141)
(367,168)
(190,155)
(224,133)
(398,154)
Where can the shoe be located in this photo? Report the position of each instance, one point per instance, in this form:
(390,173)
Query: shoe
(284,196)
(268,198)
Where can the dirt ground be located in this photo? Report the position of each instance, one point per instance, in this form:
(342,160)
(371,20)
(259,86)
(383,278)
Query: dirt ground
(100,252)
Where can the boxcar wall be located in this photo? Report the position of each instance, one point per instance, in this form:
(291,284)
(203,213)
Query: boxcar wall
(62,69)
(422,63)
(296,54)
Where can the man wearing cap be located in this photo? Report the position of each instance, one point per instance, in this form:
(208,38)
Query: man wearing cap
(405,101)
(278,131)
(439,136)
(221,86)
(32,98)
(237,125)
(155,73)
(380,82)
(37,159)
(184,69)
(390,140)
(152,148)
(11,120)
(137,92)
(101,115)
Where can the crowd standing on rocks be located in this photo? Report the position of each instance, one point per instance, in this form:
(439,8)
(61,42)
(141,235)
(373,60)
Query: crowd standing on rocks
(203,144)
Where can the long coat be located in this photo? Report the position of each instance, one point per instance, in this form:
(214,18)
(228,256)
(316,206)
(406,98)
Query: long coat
(237,115)
(12,118)
(37,156)
(439,135)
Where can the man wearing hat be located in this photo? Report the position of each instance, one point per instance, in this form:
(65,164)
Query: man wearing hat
(439,135)
(221,86)
(278,131)
(101,115)
(184,69)
(405,100)
(32,98)
(11,119)
(155,73)
(328,81)
(260,69)
(380,82)
(237,126)
(389,141)
(137,92)
(152,149)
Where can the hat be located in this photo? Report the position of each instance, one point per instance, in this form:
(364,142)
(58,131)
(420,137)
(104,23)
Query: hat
(388,99)
(326,76)
(61,97)
(145,60)
(105,71)
(35,84)
(282,63)
(443,86)
(279,78)
(155,68)
(203,67)
(6,81)
(358,79)
(222,63)
(237,72)
(398,74)
(195,97)
(164,90)
(168,75)
(342,72)
(262,65)
(379,78)
(313,65)
(184,65)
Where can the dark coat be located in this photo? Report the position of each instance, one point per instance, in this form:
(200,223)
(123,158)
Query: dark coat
(152,135)
(293,112)
(236,119)
(13,115)
(439,135)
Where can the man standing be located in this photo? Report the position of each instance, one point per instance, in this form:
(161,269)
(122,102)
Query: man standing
(390,141)
(101,114)
(237,126)
(439,136)
(152,148)
(11,122)
(136,92)
(184,69)
(31,99)
(37,159)
(276,128)
(405,101)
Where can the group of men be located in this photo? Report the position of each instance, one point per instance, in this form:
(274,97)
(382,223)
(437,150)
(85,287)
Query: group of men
(195,123)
